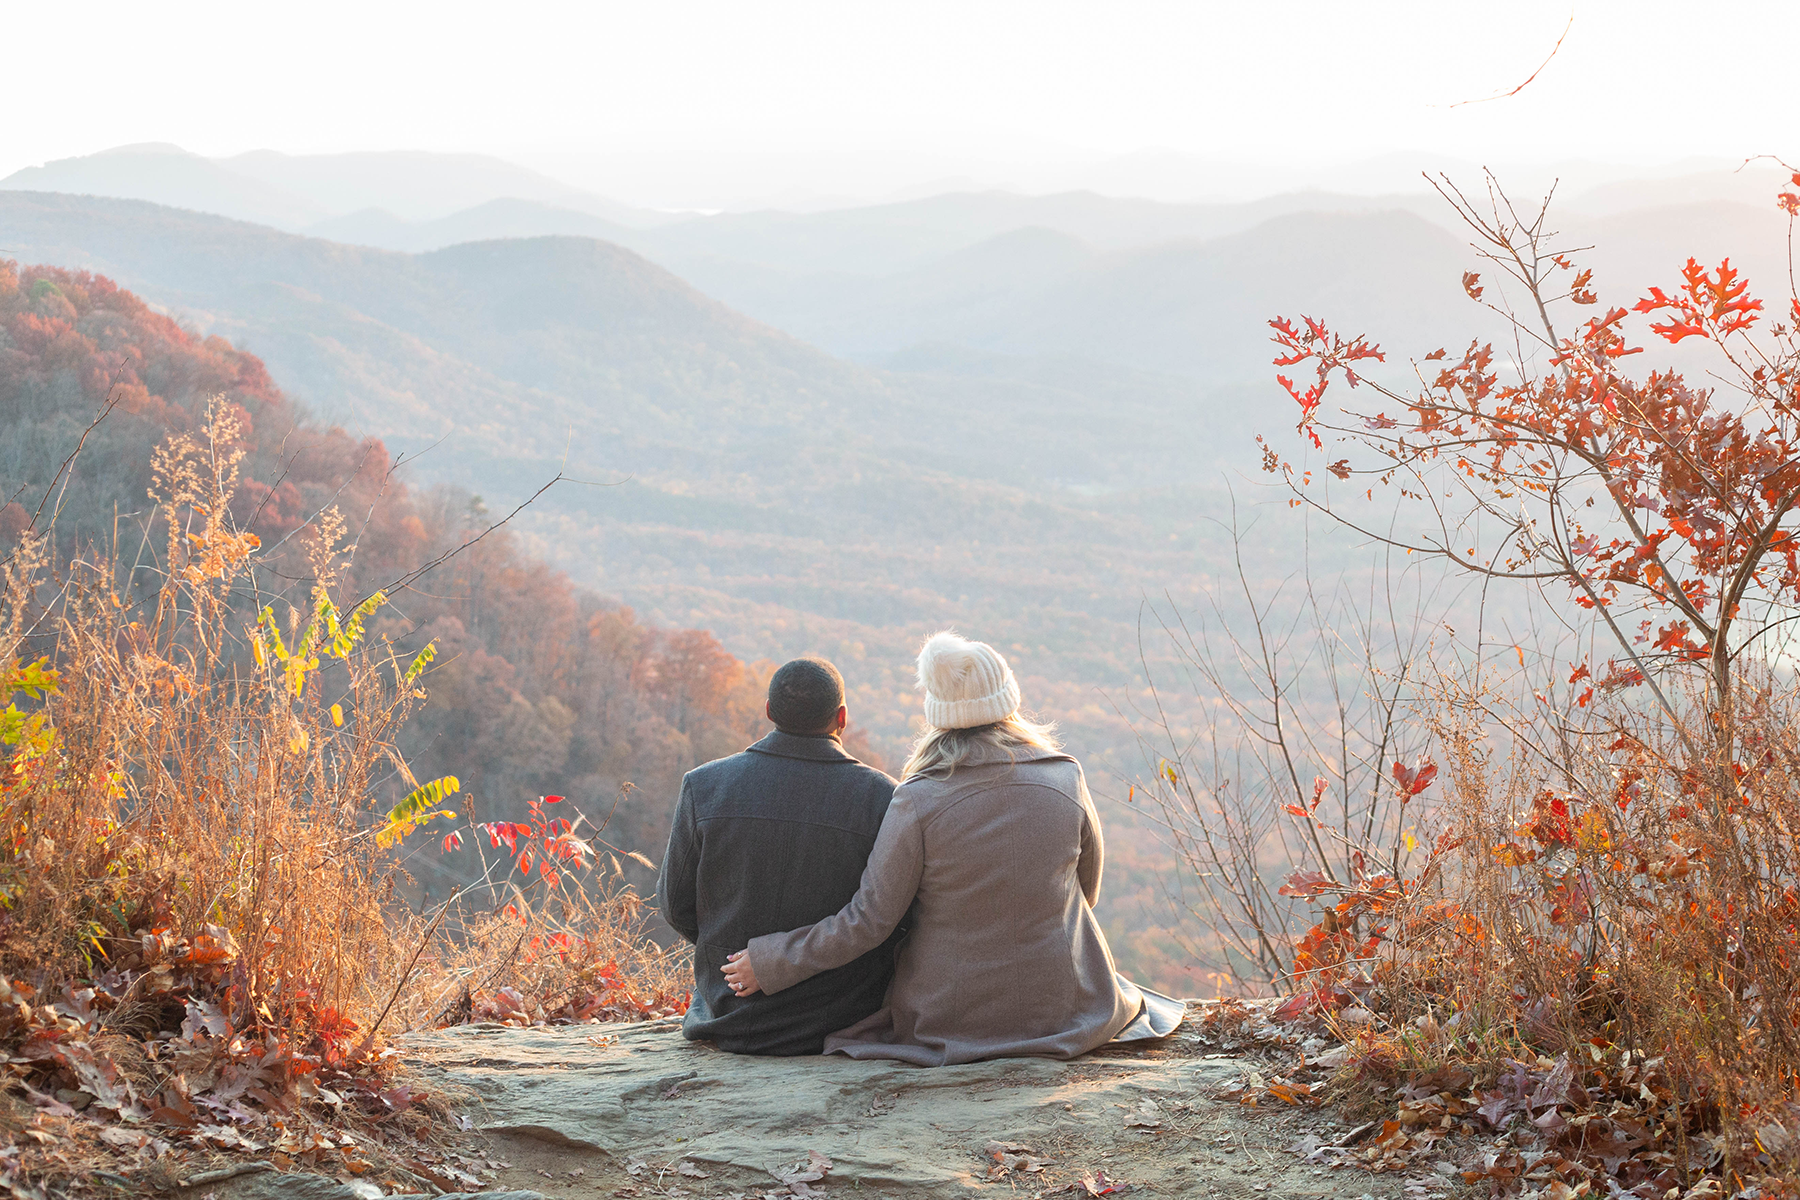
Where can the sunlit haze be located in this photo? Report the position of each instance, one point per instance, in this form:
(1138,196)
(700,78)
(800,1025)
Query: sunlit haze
(725,104)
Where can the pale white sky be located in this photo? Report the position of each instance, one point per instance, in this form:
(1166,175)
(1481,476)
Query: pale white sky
(851,96)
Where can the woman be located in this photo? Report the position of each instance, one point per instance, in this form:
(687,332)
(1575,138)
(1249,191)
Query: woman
(993,843)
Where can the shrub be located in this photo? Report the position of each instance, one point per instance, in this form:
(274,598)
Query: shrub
(1600,945)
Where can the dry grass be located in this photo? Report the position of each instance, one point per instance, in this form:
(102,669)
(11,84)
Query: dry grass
(1598,960)
(173,794)
(1590,918)
(200,924)
(581,955)
(1635,885)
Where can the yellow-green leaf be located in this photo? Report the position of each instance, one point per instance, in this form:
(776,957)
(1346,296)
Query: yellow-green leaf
(416,810)
(420,661)
(274,628)
(345,637)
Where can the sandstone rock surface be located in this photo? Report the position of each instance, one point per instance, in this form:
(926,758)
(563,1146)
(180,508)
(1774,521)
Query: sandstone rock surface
(636,1110)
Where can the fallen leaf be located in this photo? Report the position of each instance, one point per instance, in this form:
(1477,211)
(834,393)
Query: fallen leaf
(1291,1093)
(173,1116)
(435,1177)
(1009,1157)
(204,1017)
(796,1177)
(124,1139)
(400,1098)
(50,1104)
(1146,1116)
(691,1171)
(1332,1059)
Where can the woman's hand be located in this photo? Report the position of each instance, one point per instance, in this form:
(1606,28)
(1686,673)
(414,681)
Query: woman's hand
(740,974)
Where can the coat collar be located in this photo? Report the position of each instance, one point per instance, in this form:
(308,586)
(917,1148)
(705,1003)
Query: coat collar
(813,749)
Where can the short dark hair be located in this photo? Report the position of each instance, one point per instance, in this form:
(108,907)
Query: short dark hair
(804,695)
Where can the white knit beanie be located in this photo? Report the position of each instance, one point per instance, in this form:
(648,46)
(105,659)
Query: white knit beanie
(966,683)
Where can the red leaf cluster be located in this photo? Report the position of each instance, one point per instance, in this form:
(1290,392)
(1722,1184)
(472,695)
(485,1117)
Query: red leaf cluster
(1711,304)
(1693,499)
(1327,351)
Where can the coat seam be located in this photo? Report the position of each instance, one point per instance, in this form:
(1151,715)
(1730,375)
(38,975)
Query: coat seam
(993,787)
(700,820)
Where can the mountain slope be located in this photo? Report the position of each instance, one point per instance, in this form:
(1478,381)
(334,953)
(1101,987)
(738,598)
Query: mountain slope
(508,217)
(788,499)
(1201,308)
(550,331)
(1194,308)
(417,185)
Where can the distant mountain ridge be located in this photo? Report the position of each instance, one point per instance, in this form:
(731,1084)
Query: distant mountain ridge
(169,175)
(418,186)
(297,192)
(1140,284)
(508,217)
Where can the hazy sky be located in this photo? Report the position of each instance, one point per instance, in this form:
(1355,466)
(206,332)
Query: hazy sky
(849,96)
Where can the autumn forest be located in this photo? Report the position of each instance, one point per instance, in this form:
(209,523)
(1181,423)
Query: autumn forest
(538,687)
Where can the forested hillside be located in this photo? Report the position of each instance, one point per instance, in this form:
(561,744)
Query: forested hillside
(539,687)
(784,499)
(544,687)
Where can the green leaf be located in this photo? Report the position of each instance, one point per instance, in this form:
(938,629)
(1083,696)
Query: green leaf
(275,642)
(420,662)
(416,810)
(35,679)
(345,638)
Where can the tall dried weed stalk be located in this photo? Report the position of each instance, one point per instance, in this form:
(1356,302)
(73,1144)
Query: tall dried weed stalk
(177,792)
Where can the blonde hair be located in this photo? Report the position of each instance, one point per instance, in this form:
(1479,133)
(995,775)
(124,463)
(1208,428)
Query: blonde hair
(938,752)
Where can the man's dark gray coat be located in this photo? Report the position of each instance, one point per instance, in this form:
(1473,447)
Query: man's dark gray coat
(765,841)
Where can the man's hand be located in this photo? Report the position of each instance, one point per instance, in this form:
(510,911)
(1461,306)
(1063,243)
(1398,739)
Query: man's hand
(740,975)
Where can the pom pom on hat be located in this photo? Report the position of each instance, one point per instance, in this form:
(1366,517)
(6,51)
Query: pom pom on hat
(966,683)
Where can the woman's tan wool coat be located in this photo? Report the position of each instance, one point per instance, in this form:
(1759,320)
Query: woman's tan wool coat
(1005,958)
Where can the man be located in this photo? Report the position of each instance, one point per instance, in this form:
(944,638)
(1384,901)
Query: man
(767,840)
